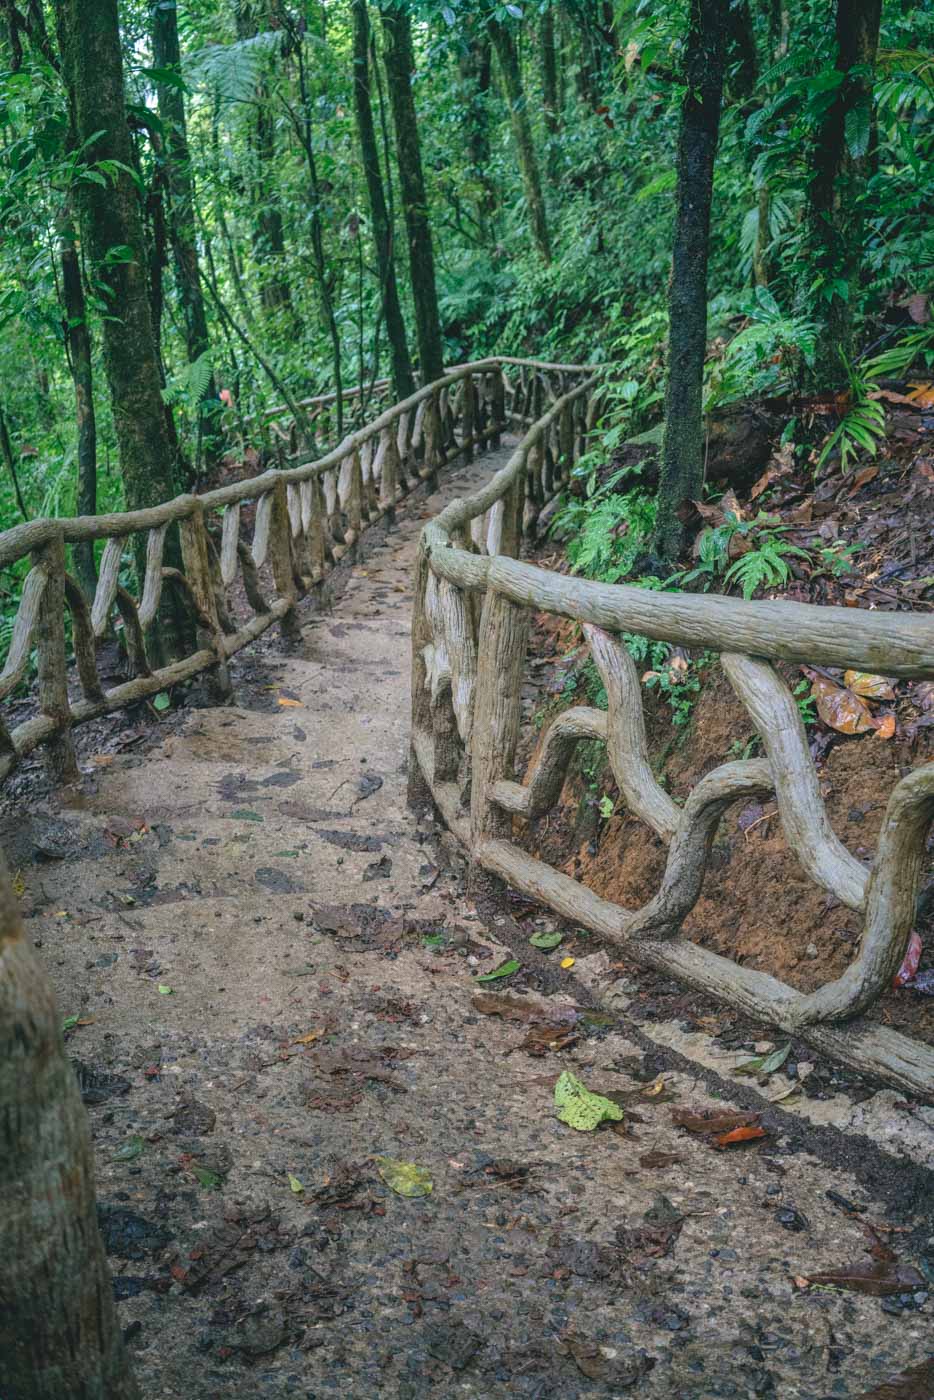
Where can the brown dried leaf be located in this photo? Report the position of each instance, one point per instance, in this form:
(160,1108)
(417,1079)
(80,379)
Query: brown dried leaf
(877,1280)
(922,395)
(738,1135)
(712,1120)
(512,1008)
(919,308)
(914,1384)
(864,683)
(884,726)
(839,708)
(660,1159)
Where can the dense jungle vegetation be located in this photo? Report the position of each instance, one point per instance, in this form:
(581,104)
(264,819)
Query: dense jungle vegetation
(214,206)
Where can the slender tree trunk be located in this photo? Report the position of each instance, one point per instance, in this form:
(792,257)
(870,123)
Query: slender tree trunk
(400,62)
(78,346)
(268,234)
(403,380)
(92,59)
(840,161)
(59,1335)
(507,56)
(682,470)
(549,60)
(475,69)
(181,209)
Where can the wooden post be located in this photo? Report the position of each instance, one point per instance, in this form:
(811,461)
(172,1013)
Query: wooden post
(280,549)
(419,792)
(504,630)
(433,443)
(388,454)
(468,419)
(499,406)
(53,675)
(197,567)
(566,442)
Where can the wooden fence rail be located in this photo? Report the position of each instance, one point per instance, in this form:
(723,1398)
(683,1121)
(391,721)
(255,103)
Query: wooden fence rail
(469,637)
(306,517)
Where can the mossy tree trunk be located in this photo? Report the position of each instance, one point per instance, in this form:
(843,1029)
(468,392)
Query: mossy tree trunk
(112,234)
(78,347)
(475,65)
(181,210)
(59,1335)
(507,57)
(403,380)
(549,62)
(400,62)
(840,163)
(682,466)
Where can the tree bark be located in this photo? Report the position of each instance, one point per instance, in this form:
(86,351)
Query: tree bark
(268,235)
(400,62)
(59,1334)
(682,469)
(507,57)
(181,210)
(92,59)
(475,71)
(403,380)
(549,61)
(839,168)
(78,346)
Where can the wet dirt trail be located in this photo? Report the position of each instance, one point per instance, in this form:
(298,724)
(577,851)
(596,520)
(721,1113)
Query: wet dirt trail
(272,961)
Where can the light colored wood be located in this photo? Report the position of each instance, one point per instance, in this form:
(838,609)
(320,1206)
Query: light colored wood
(51,665)
(807,829)
(27,620)
(546,778)
(152,582)
(82,636)
(261,526)
(504,630)
(108,577)
(230,538)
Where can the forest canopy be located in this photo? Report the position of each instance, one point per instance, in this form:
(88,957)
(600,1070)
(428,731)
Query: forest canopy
(216,206)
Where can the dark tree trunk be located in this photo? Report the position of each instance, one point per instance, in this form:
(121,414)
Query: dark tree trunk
(400,62)
(89,37)
(78,345)
(268,235)
(59,1335)
(507,57)
(549,58)
(839,167)
(475,69)
(181,210)
(682,471)
(403,381)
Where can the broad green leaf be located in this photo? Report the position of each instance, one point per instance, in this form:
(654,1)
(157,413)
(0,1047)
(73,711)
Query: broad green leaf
(580,1108)
(161,701)
(211,1181)
(165,991)
(244,814)
(765,1064)
(405,1178)
(295,1185)
(128,1150)
(505,969)
(545,940)
(69,1022)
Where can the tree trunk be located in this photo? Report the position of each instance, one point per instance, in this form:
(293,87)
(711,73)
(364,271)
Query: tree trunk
(403,380)
(268,236)
(475,70)
(78,346)
(507,56)
(59,1335)
(181,211)
(400,61)
(840,161)
(92,60)
(549,60)
(682,471)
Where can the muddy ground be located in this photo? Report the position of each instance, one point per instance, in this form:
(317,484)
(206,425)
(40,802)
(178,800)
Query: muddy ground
(272,966)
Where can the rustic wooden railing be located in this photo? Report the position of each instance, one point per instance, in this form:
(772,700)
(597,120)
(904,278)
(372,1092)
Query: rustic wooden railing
(473,601)
(306,518)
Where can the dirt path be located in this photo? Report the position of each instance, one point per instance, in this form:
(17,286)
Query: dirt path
(275,960)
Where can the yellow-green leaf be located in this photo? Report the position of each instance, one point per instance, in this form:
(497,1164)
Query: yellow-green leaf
(580,1108)
(405,1178)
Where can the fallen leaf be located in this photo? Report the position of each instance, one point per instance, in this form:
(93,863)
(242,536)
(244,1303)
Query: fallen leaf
(877,1280)
(296,1186)
(128,1150)
(660,1159)
(545,940)
(884,726)
(840,708)
(765,1064)
(211,1181)
(540,1039)
(566,963)
(921,395)
(910,962)
(405,1178)
(164,991)
(914,1384)
(244,814)
(864,683)
(744,1134)
(505,969)
(712,1120)
(311,1037)
(514,1008)
(580,1108)
(286,703)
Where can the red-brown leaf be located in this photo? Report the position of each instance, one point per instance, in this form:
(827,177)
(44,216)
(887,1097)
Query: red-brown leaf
(839,707)
(877,1280)
(746,1134)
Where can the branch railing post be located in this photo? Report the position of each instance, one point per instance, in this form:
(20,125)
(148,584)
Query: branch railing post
(280,553)
(498,406)
(61,761)
(197,565)
(504,628)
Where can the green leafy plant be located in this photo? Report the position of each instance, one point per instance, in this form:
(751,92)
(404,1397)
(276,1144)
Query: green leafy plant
(862,427)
